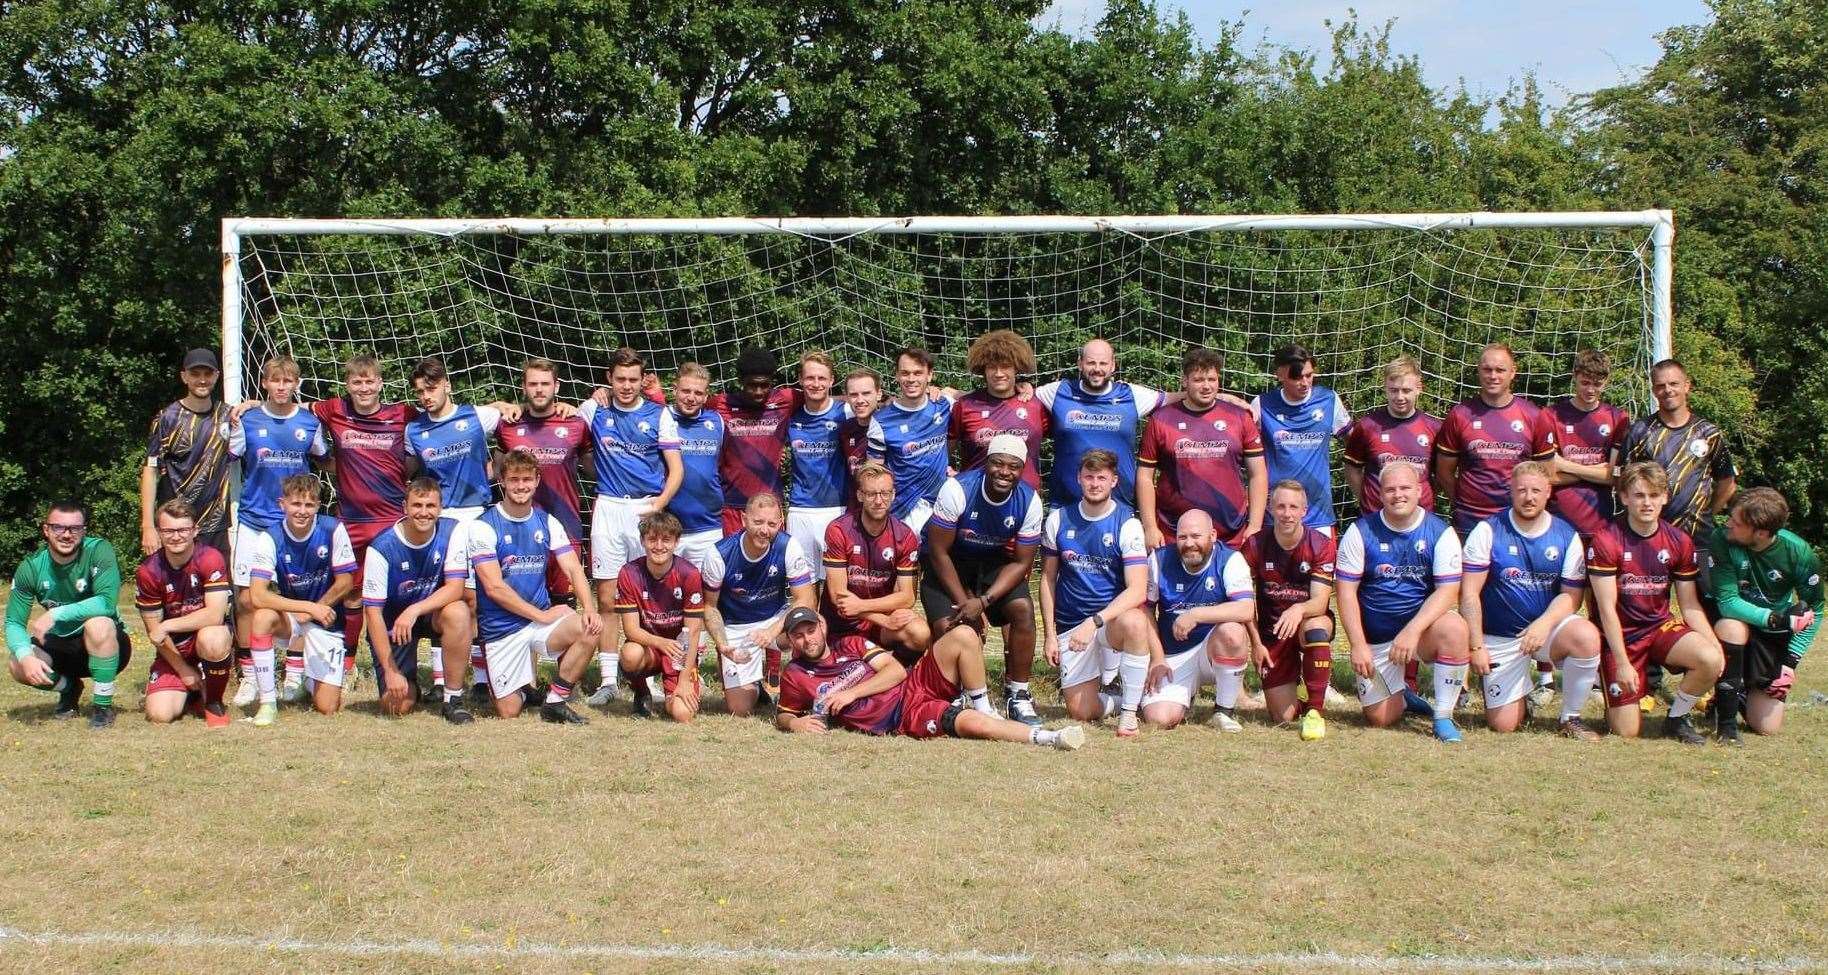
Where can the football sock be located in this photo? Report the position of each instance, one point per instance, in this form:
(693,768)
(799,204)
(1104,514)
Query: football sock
(348,665)
(1684,702)
(1133,670)
(453,694)
(1410,673)
(103,669)
(215,680)
(437,666)
(1545,674)
(263,668)
(1449,681)
(244,661)
(1729,693)
(1107,703)
(771,665)
(558,691)
(479,666)
(352,630)
(609,665)
(1578,675)
(1229,684)
(1316,669)
(979,697)
(1043,737)
(1015,687)
(295,666)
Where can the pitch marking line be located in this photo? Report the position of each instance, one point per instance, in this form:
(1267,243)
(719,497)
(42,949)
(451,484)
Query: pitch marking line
(913,956)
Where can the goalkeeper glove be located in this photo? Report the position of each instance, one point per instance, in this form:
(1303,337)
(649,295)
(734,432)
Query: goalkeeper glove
(1793,618)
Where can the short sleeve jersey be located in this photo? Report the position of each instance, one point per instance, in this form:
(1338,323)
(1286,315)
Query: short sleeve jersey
(1647,569)
(817,467)
(872,563)
(1082,420)
(1488,441)
(523,548)
(556,442)
(271,449)
(663,602)
(755,440)
(1377,438)
(1298,443)
(370,458)
(1175,589)
(750,590)
(1396,569)
(979,416)
(983,528)
(1586,437)
(806,684)
(454,450)
(1094,553)
(703,440)
(189,450)
(1285,577)
(171,591)
(627,446)
(1694,455)
(302,568)
(1523,572)
(912,444)
(1201,457)
(396,573)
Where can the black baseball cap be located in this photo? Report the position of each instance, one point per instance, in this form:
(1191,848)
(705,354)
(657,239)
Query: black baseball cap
(201,357)
(797,616)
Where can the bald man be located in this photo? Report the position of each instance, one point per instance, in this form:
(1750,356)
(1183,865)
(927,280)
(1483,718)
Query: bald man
(1201,597)
(1095,412)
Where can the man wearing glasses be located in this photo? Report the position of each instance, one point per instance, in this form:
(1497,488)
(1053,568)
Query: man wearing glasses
(77,580)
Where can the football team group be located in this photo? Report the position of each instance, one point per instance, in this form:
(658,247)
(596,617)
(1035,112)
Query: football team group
(843,554)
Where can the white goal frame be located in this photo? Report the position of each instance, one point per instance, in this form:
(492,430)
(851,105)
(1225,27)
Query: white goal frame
(1660,223)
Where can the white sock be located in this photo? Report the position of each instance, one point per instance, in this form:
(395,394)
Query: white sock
(1578,675)
(1229,685)
(1684,703)
(104,690)
(1449,681)
(979,699)
(247,668)
(610,666)
(1043,737)
(1108,703)
(263,675)
(1133,670)
(1545,678)
(1015,687)
(437,666)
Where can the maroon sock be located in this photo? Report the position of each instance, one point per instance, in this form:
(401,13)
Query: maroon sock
(352,631)
(1317,671)
(215,680)
(1410,672)
(771,666)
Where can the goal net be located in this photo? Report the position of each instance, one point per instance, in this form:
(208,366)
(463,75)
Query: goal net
(1356,290)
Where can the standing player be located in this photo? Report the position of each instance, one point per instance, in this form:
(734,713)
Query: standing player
(1298,422)
(1588,430)
(1768,586)
(1398,430)
(819,471)
(850,683)
(870,564)
(661,601)
(699,505)
(1095,412)
(556,436)
(274,439)
(187,457)
(1484,437)
(1634,566)
(1691,449)
(1291,567)
(412,590)
(1208,455)
(1525,575)
(756,416)
(300,570)
(1094,581)
(635,445)
(509,547)
(908,436)
(77,580)
(1000,358)
(979,553)
(1399,584)
(183,592)
(1201,596)
(750,579)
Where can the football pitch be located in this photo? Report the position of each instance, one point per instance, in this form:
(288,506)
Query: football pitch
(359,844)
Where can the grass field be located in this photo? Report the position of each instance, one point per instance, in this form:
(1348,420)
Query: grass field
(356,843)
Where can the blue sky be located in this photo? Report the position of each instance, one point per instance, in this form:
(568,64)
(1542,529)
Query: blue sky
(1572,47)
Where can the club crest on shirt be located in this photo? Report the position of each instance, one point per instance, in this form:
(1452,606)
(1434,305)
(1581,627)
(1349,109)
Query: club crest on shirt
(1421,440)
(1663,555)
(642,426)
(887,552)
(82,585)
(1009,521)
(1605,430)
(1516,426)
(539,535)
(1552,552)
(299,435)
(1318,413)
(1773,575)
(1021,412)
(461,426)
(1220,426)
(1421,544)
(1697,448)
(1211,583)
(562,433)
(678,592)
(1304,566)
(1108,538)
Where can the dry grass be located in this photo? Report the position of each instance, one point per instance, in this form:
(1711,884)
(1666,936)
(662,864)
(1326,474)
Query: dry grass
(1382,843)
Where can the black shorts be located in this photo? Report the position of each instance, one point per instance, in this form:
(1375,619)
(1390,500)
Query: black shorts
(405,656)
(70,657)
(1765,656)
(975,573)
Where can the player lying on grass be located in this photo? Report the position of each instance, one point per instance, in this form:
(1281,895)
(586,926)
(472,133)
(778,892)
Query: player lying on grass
(412,590)
(853,684)
(750,580)
(183,594)
(660,599)
(1291,567)
(1767,584)
(77,580)
(1634,566)
(299,570)
(1203,604)
(1525,576)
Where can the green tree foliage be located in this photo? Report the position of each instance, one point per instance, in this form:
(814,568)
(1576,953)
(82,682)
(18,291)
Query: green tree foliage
(128,130)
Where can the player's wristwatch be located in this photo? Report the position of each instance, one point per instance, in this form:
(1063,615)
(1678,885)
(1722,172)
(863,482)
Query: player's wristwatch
(1098,620)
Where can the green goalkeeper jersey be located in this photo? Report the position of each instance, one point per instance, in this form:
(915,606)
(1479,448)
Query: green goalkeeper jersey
(88,585)
(1749,585)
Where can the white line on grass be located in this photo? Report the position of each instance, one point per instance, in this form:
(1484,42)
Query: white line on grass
(514,949)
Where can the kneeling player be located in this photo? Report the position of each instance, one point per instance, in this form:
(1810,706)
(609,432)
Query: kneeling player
(183,594)
(79,634)
(412,590)
(509,547)
(1634,565)
(1768,585)
(870,564)
(299,570)
(1399,583)
(750,578)
(661,601)
(856,685)
(1203,606)
(1291,566)
(1525,575)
